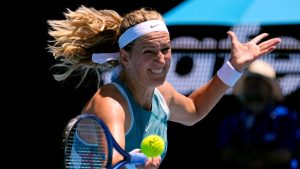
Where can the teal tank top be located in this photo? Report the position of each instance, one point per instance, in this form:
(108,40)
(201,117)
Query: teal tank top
(143,122)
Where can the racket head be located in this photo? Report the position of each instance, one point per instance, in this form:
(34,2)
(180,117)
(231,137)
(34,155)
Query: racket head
(87,143)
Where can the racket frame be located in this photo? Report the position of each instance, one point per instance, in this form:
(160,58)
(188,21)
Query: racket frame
(74,122)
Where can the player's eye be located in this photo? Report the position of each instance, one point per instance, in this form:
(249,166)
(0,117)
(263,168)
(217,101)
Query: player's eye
(165,50)
(149,52)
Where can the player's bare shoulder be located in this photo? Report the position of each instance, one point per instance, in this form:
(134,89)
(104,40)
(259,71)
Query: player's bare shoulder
(108,90)
(110,93)
(106,96)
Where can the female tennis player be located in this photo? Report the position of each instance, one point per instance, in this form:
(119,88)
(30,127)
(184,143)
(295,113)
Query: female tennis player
(137,47)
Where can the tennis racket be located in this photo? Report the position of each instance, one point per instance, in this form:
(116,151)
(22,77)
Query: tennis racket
(88,144)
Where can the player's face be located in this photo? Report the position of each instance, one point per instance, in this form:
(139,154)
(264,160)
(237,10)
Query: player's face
(149,60)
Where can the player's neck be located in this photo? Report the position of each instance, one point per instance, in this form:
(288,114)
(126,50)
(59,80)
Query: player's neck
(142,95)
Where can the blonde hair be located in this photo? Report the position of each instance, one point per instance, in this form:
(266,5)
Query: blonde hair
(86,31)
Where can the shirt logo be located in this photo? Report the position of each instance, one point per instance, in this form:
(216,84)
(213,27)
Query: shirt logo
(148,127)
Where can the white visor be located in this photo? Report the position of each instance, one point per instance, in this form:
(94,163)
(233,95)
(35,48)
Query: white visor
(141,29)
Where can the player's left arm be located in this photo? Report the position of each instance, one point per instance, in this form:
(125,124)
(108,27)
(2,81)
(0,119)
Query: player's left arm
(191,109)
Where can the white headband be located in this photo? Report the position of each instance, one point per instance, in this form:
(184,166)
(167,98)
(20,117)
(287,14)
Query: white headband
(104,57)
(141,29)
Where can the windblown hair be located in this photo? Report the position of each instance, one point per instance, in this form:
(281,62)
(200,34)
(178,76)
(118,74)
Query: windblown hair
(86,31)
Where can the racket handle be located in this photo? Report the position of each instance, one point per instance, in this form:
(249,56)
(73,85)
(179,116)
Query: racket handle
(138,158)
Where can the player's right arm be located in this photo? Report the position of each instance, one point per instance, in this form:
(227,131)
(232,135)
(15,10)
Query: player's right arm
(107,103)
(110,106)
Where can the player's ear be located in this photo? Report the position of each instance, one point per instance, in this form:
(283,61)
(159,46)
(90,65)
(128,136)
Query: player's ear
(124,57)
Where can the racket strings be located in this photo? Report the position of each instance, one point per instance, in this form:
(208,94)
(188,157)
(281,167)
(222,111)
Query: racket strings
(87,146)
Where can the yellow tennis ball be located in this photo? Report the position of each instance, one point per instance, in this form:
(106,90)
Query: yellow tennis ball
(152,146)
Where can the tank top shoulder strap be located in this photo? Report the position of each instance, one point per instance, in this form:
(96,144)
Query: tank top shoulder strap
(163,104)
(124,94)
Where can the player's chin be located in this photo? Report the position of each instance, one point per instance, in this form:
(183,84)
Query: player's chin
(157,82)
(157,79)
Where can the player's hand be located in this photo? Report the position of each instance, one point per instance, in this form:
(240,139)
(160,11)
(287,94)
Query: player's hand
(152,163)
(244,54)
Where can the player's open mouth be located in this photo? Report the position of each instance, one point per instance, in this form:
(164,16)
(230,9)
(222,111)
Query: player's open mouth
(157,70)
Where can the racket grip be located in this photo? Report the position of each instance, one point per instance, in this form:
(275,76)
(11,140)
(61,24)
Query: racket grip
(138,158)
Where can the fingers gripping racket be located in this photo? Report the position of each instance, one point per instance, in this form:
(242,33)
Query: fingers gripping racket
(88,144)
